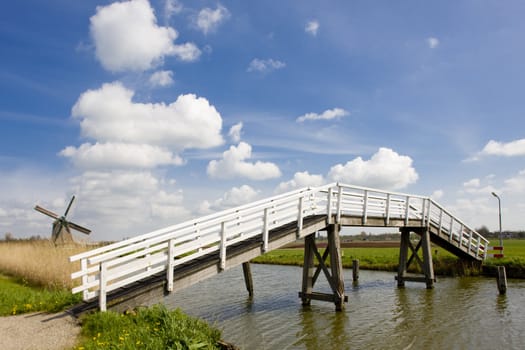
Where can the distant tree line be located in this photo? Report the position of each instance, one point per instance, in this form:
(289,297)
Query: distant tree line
(485,232)
(8,237)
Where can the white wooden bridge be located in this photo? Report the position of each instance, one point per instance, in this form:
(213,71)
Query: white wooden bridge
(175,257)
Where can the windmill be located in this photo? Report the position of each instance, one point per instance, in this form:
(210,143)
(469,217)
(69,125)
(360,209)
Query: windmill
(61,233)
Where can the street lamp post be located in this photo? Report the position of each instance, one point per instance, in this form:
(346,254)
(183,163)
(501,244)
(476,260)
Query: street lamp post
(499,207)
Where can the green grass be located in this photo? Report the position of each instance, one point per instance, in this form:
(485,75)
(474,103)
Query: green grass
(17,297)
(147,328)
(387,259)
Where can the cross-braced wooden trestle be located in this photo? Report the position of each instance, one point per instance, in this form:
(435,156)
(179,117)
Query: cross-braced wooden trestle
(333,273)
(405,261)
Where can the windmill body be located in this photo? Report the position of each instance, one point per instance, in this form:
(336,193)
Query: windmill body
(61,234)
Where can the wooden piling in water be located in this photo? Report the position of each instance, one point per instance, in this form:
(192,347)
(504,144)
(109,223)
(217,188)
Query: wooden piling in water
(355,270)
(247,271)
(502,280)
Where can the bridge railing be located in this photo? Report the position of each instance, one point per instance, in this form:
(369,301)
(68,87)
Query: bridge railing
(367,203)
(458,232)
(108,268)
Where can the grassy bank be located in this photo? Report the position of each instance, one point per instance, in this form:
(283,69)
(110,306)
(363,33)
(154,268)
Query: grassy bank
(17,297)
(387,259)
(147,328)
(35,277)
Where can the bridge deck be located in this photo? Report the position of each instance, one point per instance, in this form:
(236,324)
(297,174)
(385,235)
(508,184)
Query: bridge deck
(148,266)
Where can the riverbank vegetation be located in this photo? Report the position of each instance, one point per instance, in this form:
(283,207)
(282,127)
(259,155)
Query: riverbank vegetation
(35,277)
(39,262)
(147,328)
(384,257)
(17,297)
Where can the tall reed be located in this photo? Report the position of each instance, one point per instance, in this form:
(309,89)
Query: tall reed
(40,262)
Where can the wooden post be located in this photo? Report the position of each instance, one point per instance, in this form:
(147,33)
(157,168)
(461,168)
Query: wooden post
(247,271)
(427,259)
(502,280)
(355,270)
(336,265)
(308,268)
(403,257)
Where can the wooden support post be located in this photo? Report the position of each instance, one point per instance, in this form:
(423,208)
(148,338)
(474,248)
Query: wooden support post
(308,269)
(425,264)
(428,268)
(403,257)
(336,265)
(502,280)
(333,273)
(355,270)
(247,271)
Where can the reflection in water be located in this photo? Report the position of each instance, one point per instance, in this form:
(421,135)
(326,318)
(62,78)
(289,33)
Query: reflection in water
(459,313)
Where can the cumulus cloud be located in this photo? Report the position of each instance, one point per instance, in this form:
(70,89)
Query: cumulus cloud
(433,42)
(472,183)
(233,164)
(510,149)
(127,202)
(233,198)
(437,194)
(172,7)
(235,132)
(265,66)
(385,170)
(300,180)
(516,184)
(312,27)
(109,114)
(208,20)
(161,78)
(326,115)
(127,37)
(119,155)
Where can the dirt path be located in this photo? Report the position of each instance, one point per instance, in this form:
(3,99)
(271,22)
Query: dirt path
(38,331)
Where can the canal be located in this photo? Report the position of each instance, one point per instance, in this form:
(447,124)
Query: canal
(459,313)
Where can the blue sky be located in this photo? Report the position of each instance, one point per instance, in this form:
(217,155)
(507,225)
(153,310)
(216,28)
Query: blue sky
(154,112)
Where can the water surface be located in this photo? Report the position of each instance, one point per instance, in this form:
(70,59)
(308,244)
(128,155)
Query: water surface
(459,313)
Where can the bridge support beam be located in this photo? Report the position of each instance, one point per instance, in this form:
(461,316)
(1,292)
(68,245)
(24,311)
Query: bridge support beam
(404,260)
(334,274)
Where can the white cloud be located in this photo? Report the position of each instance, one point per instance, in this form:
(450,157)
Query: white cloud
(161,78)
(473,183)
(108,114)
(119,155)
(235,197)
(433,42)
(509,149)
(300,180)
(312,27)
(437,194)
(516,184)
(126,203)
(208,20)
(235,132)
(385,170)
(172,7)
(127,37)
(326,115)
(233,165)
(265,66)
